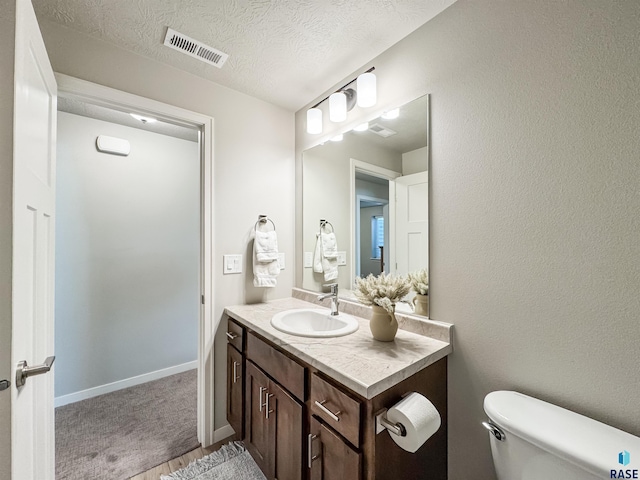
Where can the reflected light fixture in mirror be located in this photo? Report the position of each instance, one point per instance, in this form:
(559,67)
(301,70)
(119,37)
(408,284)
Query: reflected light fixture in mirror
(343,100)
(391,114)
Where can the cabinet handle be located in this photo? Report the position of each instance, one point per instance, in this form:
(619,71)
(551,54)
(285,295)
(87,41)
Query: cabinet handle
(311,457)
(334,416)
(269,395)
(235,372)
(261,404)
(232,336)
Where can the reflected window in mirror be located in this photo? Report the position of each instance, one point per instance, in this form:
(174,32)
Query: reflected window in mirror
(373,187)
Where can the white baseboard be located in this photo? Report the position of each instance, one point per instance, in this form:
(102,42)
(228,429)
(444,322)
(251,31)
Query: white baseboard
(222,433)
(127,382)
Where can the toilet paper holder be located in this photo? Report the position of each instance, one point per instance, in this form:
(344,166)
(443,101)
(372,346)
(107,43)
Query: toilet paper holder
(382,423)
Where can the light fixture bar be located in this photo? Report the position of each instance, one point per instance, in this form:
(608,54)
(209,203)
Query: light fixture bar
(343,87)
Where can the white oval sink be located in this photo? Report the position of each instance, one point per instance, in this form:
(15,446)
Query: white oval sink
(314,322)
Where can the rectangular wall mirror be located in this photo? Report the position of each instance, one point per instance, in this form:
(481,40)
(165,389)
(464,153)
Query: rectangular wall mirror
(371,189)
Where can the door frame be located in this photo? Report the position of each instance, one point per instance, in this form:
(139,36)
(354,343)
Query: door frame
(375,171)
(92,93)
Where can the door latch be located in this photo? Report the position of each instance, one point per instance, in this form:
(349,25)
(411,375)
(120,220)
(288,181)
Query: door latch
(24,371)
(4,384)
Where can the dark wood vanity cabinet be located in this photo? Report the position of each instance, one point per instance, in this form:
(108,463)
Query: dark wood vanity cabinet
(301,425)
(235,390)
(329,457)
(274,421)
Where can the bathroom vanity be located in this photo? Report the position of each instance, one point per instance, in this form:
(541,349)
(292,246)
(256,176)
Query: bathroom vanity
(306,407)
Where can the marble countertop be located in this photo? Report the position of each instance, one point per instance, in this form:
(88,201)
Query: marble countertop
(364,365)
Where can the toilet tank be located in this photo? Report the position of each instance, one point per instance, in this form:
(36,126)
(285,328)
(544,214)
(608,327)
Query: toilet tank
(546,442)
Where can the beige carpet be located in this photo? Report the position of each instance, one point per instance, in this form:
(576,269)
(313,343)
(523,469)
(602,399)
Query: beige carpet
(120,434)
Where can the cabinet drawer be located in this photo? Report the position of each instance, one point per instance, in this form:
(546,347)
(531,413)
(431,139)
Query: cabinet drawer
(337,409)
(284,370)
(329,457)
(235,335)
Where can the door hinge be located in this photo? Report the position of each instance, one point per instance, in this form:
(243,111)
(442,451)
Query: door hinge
(202,299)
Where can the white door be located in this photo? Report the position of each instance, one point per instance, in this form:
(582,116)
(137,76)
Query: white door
(32,415)
(412,222)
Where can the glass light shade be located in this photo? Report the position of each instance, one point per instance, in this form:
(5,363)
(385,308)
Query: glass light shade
(391,114)
(314,121)
(363,127)
(337,107)
(366,86)
(337,138)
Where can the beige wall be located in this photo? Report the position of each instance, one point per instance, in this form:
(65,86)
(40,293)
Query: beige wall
(7,41)
(253,163)
(534,204)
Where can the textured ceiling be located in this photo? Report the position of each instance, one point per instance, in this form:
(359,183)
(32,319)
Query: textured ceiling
(286,52)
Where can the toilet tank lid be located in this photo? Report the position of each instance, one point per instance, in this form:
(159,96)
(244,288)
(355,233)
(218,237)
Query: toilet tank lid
(581,440)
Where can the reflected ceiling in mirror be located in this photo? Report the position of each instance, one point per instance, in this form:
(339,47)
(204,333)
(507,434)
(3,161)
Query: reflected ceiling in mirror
(372,188)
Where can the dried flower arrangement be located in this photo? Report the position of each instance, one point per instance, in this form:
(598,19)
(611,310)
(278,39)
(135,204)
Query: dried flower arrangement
(382,290)
(420,281)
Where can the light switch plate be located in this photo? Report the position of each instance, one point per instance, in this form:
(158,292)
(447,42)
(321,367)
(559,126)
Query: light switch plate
(232,264)
(281,261)
(308,260)
(342,258)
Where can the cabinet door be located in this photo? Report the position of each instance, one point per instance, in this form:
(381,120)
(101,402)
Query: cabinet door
(334,459)
(285,415)
(235,390)
(258,438)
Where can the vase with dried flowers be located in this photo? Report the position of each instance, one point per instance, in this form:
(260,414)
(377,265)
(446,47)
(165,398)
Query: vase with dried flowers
(382,292)
(420,284)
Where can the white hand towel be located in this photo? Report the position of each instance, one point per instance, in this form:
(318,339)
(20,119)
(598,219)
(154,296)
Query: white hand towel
(264,273)
(329,251)
(329,245)
(330,268)
(266,246)
(317,255)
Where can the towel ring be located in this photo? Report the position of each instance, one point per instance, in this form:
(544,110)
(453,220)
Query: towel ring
(324,223)
(264,219)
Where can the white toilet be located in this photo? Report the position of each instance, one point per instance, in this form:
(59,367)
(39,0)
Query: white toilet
(535,440)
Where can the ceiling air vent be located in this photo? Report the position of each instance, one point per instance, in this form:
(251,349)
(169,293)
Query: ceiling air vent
(194,48)
(381,130)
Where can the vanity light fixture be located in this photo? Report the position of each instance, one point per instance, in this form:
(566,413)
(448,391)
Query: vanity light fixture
(337,107)
(337,138)
(314,120)
(143,119)
(391,114)
(363,127)
(343,100)
(366,85)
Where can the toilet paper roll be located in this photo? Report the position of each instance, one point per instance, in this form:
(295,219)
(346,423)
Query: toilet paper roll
(419,417)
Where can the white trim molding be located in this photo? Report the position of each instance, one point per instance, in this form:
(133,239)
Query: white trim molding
(375,171)
(95,94)
(223,432)
(121,384)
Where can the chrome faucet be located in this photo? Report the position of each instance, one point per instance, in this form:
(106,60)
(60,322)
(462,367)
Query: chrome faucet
(333,294)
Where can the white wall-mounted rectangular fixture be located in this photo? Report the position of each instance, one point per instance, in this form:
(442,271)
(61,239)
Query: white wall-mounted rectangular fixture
(113,145)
